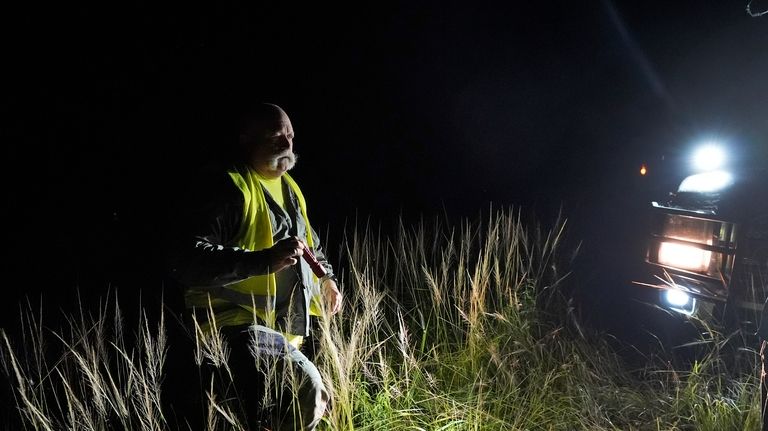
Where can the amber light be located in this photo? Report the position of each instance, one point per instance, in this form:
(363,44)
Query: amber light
(643,170)
(684,257)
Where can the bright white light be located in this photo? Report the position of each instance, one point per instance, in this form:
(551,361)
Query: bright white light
(684,257)
(679,301)
(676,297)
(708,158)
(708,182)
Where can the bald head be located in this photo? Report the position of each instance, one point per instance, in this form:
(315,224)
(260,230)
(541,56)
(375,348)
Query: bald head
(266,138)
(260,115)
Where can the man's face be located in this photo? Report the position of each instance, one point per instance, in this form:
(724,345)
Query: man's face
(269,146)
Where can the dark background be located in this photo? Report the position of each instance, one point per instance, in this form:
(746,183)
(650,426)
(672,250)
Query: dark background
(400,109)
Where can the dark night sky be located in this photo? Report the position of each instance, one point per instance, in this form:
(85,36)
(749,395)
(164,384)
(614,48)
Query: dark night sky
(397,107)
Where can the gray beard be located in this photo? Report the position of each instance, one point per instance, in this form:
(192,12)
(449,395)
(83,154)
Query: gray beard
(284,162)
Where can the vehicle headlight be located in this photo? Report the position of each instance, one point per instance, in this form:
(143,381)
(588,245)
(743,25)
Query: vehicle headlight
(676,297)
(684,257)
(709,157)
(690,257)
(691,244)
(677,300)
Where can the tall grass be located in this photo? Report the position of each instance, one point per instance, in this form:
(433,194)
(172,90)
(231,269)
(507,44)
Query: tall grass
(444,327)
(92,379)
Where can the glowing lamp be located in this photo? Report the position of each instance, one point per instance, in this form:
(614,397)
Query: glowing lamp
(684,257)
(676,297)
(708,158)
(679,301)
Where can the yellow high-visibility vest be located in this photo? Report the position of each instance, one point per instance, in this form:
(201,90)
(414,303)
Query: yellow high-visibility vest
(255,296)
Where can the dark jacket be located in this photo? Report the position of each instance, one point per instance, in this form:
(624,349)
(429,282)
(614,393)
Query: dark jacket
(202,249)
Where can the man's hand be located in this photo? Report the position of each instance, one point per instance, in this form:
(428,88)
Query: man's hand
(284,254)
(331,296)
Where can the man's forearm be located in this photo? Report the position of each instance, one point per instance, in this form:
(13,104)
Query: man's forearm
(208,264)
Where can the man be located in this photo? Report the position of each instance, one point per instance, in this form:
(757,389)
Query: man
(240,261)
